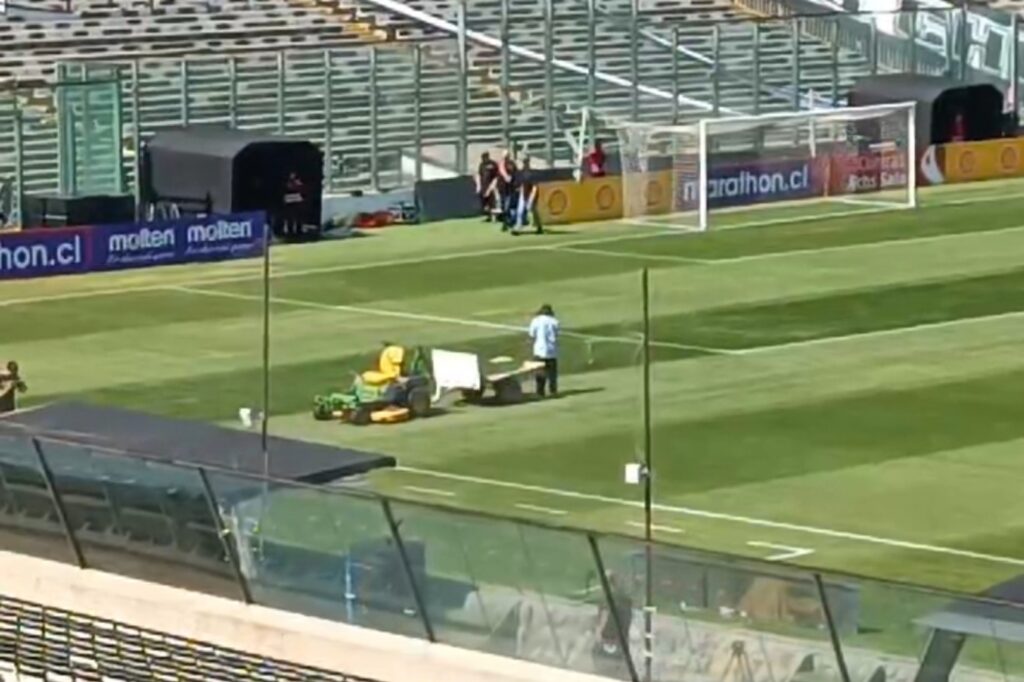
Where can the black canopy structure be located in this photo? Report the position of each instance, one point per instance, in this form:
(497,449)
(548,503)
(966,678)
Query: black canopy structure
(221,170)
(189,442)
(938,100)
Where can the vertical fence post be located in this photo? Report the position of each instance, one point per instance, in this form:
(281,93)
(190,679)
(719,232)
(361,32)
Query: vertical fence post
(183,77)
(58,504)
(950,45)
(137,138)
(756,67)
(835,62)
(549,81)
(410,575)
(912,37)
(282,87)
(634,58)
(873,48)
(374,143)
(609,597)
(506,77)
(716,55)
(417,108)
(19,161)
(223,534)
(965,39)
(328,58)
(675,75)
(591,54)
(233,91)
(1015,63)
(795,30)
(833,634)
(118,127)
(462,149)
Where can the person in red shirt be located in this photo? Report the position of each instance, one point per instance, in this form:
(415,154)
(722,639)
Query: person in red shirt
(596,160)
(959,132)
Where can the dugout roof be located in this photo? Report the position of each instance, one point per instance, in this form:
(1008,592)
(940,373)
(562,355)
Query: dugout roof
(163,439)
(938,99)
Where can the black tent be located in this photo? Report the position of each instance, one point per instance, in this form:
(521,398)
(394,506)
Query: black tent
(938,100)
(220,170)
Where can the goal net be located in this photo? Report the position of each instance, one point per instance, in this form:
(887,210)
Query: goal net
(774,167)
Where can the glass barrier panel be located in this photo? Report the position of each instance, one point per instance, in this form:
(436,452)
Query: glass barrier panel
(508,588)
(319,552)
(144,519)
(29,522)
(737,621)
(903,632)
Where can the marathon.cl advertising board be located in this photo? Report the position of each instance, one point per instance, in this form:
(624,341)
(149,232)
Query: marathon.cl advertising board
(47,252)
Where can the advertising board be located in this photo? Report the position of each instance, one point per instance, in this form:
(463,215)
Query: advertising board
(47,252)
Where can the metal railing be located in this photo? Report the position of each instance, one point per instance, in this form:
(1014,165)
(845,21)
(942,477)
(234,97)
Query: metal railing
(537,592)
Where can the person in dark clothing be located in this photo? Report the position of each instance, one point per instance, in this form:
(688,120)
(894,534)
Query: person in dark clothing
(526,208)
(508,185)
(11,384)
(596,160)
(294,198)
(487,186)
(608,640)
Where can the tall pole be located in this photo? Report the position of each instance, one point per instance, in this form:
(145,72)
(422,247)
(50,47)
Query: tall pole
(648,490)
(265,421)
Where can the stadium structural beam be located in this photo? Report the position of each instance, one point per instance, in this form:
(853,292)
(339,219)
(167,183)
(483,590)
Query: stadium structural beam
(19,161)
(716,55)
(549,81)
(1015,63)
(965,34)
(506,77)
(58,504)
(282,87)
(137,137)
(795,76)
(328,66)
(634,59)
(417,108)
(756,67)
(222,535)
(912,37)
(609,596)
(183,82)
(414,587)
(462,146)
(233,91)
(592,56)
(374,163)
(675,75)
(833,634)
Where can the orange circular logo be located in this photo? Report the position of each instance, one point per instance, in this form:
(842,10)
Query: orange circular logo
(605,198)
(967,162)
(653,193)
(557,202)
(1009,160)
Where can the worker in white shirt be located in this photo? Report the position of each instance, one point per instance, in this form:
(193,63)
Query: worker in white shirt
(544,334)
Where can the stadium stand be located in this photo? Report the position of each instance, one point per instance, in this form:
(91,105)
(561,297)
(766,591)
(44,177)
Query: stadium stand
(45,643)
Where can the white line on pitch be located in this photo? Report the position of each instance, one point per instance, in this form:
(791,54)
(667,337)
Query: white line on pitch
(719,516)
(462,322)
(656,527)
(661,231)
(785,552)
(429,491)
(348,267)
(923,326)
(542,510)
(636,256)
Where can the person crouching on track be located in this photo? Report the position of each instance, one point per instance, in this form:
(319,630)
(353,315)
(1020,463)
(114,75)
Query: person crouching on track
(487,186)
(543,332)
(526,209)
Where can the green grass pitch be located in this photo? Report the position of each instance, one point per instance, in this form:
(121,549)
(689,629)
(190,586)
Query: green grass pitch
(843,392)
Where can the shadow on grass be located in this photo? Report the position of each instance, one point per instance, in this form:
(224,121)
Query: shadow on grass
(529,398)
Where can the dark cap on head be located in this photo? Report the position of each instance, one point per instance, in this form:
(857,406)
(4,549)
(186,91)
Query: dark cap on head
(546,309)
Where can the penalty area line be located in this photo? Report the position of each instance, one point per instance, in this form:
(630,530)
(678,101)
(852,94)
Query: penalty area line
(721,516)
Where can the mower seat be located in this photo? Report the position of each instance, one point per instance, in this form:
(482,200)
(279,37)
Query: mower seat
(389,367)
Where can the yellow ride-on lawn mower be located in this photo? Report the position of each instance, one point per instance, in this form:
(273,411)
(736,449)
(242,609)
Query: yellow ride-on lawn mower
(399,389)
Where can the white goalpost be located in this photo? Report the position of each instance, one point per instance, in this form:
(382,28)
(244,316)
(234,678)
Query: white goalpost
(770,167)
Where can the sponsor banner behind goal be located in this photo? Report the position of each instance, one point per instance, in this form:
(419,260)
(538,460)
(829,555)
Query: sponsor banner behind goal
(42,253)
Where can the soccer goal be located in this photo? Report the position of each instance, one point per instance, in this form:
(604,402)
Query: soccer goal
(776,167)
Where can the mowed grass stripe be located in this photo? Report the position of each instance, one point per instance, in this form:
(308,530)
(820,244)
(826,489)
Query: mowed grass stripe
(705,454)
(832,232)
